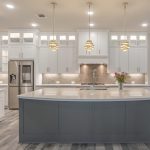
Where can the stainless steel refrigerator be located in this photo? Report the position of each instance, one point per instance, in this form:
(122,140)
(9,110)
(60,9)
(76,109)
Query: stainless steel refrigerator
(20,80)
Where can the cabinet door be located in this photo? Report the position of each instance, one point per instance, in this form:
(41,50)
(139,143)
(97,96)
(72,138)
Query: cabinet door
(83,37)
(66,60)
(124,62)
(47,61)
(29,52)
(15,52)
(63,60)
(102,43)
(114,60)
(52,61)
(137,60)
(142,57)
(138,121)
(133,61)
(43,60)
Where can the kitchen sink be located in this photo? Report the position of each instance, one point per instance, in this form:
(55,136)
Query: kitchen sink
(93,88)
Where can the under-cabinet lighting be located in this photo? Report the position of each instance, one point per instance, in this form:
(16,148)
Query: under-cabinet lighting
(50,75)
(70,75)
(73,82)
(57,82)
(135,75)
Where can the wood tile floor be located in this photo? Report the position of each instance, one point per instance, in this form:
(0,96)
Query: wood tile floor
(9,139)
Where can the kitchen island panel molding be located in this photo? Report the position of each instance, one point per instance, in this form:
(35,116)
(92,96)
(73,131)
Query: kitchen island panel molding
(57,121)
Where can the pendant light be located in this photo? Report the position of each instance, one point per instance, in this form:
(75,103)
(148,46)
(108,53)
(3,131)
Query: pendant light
(89,46)
(53,44)
(125,44)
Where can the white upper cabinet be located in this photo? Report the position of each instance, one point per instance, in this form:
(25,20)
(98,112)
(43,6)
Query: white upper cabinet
(67,60)
(118,60)
(102,43)
(138,60)
(133,61)
(62,61)
(99,39)
(47,61)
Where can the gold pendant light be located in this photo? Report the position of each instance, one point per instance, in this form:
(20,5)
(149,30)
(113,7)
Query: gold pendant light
(53,44)
(89,46)
(125,43)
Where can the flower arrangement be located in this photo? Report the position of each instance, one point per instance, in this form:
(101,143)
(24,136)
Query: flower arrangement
(120,77)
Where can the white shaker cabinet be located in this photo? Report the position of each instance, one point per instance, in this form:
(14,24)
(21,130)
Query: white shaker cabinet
(118,60)
(138,60)
(19,52)
(82,38)
(114,60)
(99,39)
(67,60)
(47,61)
(102,43)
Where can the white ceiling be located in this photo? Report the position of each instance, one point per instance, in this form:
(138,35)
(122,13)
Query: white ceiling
(71,14)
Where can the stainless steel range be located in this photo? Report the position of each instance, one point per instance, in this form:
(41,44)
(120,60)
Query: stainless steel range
(21,80)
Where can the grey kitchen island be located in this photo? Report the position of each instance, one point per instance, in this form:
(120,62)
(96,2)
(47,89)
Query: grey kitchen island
(72,115)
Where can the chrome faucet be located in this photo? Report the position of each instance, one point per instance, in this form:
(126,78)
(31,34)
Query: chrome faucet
(94,76)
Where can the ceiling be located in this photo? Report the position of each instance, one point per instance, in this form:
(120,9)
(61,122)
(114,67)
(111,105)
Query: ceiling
(72,14)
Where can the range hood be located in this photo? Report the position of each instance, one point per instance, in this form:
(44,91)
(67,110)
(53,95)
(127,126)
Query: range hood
(93,60)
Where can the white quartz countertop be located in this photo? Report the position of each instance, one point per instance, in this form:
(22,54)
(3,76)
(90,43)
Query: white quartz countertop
(75,94)
(80,85)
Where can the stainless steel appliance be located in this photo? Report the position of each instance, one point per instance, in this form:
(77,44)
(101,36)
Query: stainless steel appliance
(20,79)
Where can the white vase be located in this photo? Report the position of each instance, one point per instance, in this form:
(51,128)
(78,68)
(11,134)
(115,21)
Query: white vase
(120,86)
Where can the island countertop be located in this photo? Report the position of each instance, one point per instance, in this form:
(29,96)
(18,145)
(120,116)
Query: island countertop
(77,94)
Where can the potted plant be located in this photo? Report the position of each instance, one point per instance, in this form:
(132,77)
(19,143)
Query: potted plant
(120,78)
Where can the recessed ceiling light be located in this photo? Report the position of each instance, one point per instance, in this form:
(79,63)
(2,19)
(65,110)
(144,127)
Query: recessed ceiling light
(144,25)
(10,6)
(34,24)
(91,25)
(90,12)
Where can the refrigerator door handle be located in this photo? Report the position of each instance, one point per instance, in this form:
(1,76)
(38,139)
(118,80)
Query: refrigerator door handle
(19,69)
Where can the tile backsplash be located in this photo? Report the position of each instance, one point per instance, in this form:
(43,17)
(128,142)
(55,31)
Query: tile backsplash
(88,74)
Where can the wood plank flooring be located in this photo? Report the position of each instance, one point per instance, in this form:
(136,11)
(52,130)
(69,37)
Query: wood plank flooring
(9,139)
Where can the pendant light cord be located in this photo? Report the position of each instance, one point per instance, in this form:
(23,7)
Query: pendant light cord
(125,19)
(89,21)
(53,18)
